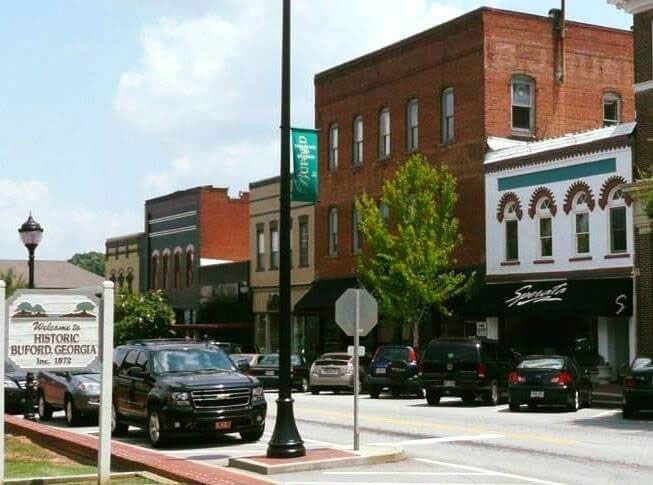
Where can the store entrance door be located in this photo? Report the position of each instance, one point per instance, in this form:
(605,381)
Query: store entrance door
(542,335)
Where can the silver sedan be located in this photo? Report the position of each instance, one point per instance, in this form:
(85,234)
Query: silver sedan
(333,372)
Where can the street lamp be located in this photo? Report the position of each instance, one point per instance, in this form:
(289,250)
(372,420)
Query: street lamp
(30,233)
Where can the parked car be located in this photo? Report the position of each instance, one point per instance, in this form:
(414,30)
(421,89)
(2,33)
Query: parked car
(228,347)
(334,372)
(545,380)
(177,387)
(77,393)
(466,368)
(638,387)
(15,383)
(246,360)
(394,367)
(267,371)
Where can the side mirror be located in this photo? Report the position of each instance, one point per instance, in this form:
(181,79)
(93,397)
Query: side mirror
(242,365)
(135,372)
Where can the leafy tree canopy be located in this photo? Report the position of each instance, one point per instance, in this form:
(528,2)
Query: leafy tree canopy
(13,281)
(142,316)
(85,306)
(91,261)
(408,261)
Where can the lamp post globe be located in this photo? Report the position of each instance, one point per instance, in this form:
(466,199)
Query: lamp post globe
(31,234)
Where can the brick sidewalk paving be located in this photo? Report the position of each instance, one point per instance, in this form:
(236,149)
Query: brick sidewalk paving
(128,457)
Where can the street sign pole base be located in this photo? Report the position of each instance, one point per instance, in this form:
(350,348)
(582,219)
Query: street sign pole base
(285,441)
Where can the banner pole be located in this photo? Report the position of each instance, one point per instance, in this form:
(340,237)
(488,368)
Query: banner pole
(106,401)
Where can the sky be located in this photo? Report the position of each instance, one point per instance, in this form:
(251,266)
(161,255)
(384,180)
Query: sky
(106,103)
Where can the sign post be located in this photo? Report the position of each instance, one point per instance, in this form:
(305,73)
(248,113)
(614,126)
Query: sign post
(356,315)
(3,336)
(104,450)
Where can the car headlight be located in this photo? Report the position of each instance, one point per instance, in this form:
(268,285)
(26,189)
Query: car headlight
(179,396)
(258,394)
(9,384)
(89,387)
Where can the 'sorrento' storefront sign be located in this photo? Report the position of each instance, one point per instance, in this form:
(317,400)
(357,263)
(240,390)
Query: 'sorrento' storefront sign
(525,295)
(53,331)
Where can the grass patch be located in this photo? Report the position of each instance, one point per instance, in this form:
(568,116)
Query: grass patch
(123,481)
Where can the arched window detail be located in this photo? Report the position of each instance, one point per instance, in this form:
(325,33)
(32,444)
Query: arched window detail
(541,195)
(617,221)
(357,140)
(190,262)
(544,210)
(581,224)
(177,269)
(165,269)
(511,223)
(607,188)
(507,198)
(611,109)
(575,189)
(121,279)
(154,271)
(522,92)
(113,276)
(130,280)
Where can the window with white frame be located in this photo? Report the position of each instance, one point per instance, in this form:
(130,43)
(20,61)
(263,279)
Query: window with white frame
(333,231)
(357,147)
(260,247)
(333,146)
(523,104)
(545,223)
(448,115)
(412,125)
(512,232)
(384,133)
(581,225)
(274,245)
(357,236)
(611,109)
(618,229)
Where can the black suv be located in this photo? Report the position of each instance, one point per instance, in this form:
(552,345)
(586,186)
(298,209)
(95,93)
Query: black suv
(466,368)
(180,387)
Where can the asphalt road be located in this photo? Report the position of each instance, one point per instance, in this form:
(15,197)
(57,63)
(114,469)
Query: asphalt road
(454,443)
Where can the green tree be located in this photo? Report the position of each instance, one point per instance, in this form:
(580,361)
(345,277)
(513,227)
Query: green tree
(85,306)
(408,261)
(142,316)
(25,307)
(13,281)
(38,309)
(91,261)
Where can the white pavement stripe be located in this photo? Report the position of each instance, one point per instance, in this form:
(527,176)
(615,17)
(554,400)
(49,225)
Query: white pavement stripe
(403,483)
(445,439)
(411,474)
(610,412)
(488,472)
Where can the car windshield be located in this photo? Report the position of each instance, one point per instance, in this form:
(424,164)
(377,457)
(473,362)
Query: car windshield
(447,352)
(191,360)
(642,363)
(273,359)
(10,367)
(333,359)
(542,363)
(392,353)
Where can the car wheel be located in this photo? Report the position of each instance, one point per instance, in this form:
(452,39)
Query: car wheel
(252,435)
(432,398)
(73,416)
(514,407)
(493,396)
(574,405)
(628,412)
(315,391)
(155,430)
(336,391)
(396,392)
(420,393)
(117,427)
(532,406)
(469,398)
(374,392)
(45,411)
(588,400)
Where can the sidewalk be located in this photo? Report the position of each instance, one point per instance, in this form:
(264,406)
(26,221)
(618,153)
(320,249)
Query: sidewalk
(129,457)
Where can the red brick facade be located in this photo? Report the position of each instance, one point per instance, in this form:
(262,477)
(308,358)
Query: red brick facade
(476,54)
(223,225)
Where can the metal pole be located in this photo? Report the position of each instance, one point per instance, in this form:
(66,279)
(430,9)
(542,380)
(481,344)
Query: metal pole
(285,441)
(3,327)
(31,249)
(104,450)
(29,377)
(356,383)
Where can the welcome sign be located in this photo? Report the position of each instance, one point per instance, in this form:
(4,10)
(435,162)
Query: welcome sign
(54,331)
(305,186)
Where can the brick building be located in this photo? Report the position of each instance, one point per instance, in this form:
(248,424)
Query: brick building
(125,265)
(642,11)
(186,231)
(445,92)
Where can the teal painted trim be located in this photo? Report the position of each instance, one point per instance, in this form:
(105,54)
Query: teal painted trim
(609,165)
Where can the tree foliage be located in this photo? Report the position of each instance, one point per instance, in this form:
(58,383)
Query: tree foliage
(91,261)
(408,261)
(142,316)
(13,281)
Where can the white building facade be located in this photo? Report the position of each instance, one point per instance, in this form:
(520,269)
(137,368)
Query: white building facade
(559,246)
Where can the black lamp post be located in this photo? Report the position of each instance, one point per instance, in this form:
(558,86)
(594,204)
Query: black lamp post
(30,233)
(285,441)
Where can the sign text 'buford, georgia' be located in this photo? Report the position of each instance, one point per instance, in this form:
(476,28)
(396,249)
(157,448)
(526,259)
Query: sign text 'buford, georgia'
(53,331)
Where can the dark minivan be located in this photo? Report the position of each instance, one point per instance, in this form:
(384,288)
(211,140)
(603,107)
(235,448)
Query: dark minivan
(394,367)
(466,368)
(178,387)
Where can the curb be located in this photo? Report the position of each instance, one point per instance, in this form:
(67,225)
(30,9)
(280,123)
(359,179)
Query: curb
(71,479)
(370,455)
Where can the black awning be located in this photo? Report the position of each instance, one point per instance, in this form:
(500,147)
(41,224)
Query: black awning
(583,297)
(324,293)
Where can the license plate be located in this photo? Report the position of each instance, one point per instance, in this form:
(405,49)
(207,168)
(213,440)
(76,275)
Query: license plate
(222,425)
(380,370)
(269,372)
(539,394)
(449,383)
(330,371)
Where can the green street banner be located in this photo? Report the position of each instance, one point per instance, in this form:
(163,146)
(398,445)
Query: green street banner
(305,185)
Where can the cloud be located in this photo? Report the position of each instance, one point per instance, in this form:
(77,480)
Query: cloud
(67,228)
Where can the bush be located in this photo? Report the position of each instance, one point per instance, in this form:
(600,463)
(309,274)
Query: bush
(147,315)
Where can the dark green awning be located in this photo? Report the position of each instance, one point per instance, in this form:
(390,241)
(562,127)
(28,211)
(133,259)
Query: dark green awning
(323,294)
